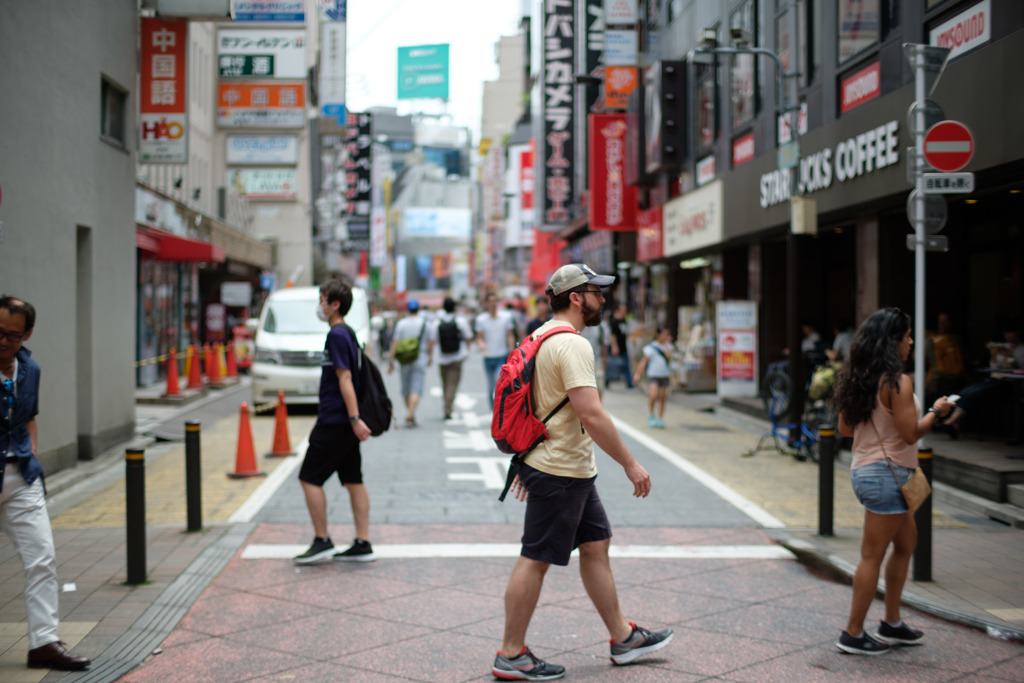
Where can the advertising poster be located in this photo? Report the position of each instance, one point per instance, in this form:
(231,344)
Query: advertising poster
(423,72)
(619,82)
(267,53)
(613,203)
(557,148)
(266,105)
(737,348)
(262,149)
(268,184)
(163,100)
(648,234)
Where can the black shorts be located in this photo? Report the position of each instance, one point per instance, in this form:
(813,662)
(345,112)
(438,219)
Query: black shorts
(562,513)
(332,448)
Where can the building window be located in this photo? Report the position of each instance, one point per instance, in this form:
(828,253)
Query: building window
(744,102)
(859,26)
(113,104)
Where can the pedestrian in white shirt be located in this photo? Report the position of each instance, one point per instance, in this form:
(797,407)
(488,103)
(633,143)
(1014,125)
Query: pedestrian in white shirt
(495,335)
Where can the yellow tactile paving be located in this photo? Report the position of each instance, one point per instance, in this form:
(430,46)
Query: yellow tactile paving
(779,484)
(14,648)
(165,479)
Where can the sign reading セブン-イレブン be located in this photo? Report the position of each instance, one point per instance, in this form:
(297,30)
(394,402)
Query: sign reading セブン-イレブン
(423,72)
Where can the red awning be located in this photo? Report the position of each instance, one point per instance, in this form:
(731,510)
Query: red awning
(168,247)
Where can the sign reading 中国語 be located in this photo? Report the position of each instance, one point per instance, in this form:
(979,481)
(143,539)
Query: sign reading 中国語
(163,100)
(556,147)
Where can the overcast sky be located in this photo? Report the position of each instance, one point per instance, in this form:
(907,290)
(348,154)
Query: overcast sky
(377,28)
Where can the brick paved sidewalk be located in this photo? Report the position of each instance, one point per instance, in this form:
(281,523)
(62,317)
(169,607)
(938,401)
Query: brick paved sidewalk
(441,620)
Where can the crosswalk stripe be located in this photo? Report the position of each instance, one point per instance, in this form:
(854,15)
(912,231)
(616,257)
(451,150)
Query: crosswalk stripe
(405,551)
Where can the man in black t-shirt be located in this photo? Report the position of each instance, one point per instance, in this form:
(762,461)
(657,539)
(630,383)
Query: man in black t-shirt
(618,359)
(334,441)
(543,315)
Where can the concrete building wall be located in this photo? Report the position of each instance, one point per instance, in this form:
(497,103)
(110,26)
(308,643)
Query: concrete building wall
(67,210)
(503,100)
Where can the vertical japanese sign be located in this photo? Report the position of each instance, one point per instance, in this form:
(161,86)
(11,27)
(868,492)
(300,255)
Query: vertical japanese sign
(358,170)
(526,179)
(556,147)
(332,61)
(163,102)
(612,202)
(380,166)
(593,54)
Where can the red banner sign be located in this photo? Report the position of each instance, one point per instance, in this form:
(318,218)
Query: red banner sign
(612,201)
(742,150)
(163,98)
(648,236)
(862,86)
(526,176)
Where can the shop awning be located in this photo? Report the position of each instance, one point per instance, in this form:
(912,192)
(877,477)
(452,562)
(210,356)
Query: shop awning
(168,247)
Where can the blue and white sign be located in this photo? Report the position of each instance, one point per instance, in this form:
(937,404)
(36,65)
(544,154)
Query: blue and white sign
(332,69)
(269,10)
(333,10)
(262,149)
(620,48)
(437,222)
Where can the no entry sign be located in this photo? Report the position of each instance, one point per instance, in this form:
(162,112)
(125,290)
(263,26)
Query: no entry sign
(948,146)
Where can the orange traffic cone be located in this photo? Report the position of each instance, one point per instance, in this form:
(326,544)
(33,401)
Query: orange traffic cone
(172,374)
(232,362)
(222,367)
(212,367)
(245,456)
(195,377)
(282,442)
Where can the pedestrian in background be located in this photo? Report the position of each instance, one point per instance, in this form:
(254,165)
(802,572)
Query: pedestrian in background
(495,335)
(876,405)
(543,315)
(657,361)
(450,332)
(618,361)
(408,346)
(334,441)
(23,515)
(598,335)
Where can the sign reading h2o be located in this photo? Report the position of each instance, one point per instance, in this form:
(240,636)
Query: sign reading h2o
(423,72)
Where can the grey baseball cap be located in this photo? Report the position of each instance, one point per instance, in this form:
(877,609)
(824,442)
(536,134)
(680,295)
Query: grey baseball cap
(574,275)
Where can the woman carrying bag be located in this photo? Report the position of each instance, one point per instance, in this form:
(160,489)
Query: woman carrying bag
(876,405)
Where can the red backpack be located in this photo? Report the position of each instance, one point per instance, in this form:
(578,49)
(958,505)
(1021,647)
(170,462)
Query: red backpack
(514,427)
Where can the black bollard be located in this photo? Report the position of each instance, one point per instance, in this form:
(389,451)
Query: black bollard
(135,513)
(826,479)
(193,476)
(923,520)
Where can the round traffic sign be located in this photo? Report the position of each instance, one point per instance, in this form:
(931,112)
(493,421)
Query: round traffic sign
(948,146)
(935,213)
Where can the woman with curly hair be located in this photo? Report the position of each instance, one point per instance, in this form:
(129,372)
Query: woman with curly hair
(876,405)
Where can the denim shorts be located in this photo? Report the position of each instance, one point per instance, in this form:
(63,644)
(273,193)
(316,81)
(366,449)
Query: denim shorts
(876,488)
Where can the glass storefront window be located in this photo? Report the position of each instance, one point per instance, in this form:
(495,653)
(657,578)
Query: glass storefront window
(706,109)
(858,26)
(743,100)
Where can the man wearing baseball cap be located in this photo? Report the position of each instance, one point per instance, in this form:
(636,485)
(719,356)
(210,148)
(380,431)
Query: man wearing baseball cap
(556,479)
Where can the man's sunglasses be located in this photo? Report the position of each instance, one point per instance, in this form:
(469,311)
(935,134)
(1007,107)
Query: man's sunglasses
(12,336)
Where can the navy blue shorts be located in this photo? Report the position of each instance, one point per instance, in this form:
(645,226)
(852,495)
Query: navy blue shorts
(562,513)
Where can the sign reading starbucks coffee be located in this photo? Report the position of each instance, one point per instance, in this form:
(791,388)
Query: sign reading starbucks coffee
(865,153)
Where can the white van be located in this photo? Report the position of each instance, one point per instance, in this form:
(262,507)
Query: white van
(290,343)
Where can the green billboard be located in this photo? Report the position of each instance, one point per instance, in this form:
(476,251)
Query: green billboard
(423,72)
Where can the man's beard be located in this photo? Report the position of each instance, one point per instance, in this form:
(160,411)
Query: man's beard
(591,316)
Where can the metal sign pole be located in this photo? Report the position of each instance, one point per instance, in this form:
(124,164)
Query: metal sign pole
(920,95)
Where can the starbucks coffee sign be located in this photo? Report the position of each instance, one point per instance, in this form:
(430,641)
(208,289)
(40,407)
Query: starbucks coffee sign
(872,150)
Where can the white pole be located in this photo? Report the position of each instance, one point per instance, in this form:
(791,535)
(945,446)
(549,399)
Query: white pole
(919,234)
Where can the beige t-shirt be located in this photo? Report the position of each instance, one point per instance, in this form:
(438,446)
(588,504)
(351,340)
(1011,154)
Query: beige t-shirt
(565,361)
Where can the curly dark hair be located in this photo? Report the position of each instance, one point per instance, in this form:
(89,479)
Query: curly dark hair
(874,359)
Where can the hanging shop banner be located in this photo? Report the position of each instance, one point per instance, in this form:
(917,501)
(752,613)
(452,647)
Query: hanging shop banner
(742,150)
(556,148)
(269,184)
(263,105)
(358,166)
(693,220)
(423,72)
(592,45)
(331,92)
(648,234)
(269,10)
(962,33)
(526,179)
(378,236)
(620,48)
(267,53)
(737,348)
(163,101)
(262,149)
(613,203)
(620,12)
(619,82)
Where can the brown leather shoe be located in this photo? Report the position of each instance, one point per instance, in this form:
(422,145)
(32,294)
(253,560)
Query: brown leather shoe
(54,656)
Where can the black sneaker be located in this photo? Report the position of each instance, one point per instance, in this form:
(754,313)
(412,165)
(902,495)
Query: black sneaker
(526,667)
(320,551)
(640,643)
(865,645)
(902,635)
(359,551)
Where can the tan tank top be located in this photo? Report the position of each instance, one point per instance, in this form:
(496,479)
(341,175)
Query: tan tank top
(867,448)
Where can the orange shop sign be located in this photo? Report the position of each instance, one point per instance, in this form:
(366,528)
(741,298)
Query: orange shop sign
(619,82)
(163,118)
(271,105)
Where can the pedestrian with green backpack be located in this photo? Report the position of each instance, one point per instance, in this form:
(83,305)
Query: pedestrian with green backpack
(408,347)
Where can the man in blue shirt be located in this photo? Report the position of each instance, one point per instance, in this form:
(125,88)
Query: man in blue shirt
(334,441)
(23,515)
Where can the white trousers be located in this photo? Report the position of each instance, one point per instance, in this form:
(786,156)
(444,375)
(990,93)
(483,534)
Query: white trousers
(23,517)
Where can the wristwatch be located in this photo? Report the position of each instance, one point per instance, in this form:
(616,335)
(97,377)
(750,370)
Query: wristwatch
(932,410)
(353,418)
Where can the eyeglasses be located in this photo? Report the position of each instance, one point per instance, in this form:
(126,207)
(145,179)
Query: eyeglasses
(590,291)
(12,336)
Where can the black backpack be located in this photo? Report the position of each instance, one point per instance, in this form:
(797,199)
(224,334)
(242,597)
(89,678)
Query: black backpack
(450,336)
(374,404)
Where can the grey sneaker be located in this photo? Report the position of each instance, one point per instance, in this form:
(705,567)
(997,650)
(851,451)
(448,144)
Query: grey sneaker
(320,551)
(898,635)
(865,645)
(359,551)
(640,643)
(526,667)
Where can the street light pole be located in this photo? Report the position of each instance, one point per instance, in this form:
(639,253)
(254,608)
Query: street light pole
(920,94)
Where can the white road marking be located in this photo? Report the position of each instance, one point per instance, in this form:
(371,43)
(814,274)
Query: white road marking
(464,402)
(470,419)
(476,440)
(270,485)
(280,551)
(492,471)
(436,392)
(748,508)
